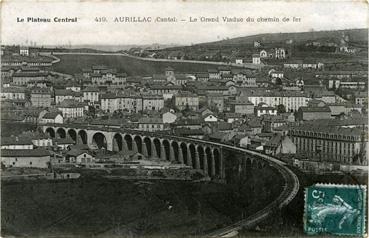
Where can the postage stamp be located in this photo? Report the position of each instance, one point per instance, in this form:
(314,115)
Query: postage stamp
(335,209)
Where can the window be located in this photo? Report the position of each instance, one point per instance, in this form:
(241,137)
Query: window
(30,163)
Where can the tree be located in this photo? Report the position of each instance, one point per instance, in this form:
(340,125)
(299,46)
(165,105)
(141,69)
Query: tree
(278,81)
(281,108)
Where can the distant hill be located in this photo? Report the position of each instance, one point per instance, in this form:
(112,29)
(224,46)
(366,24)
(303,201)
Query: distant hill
(108,48)
(242,47)
(355,35)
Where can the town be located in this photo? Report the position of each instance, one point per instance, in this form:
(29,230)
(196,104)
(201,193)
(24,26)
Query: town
(176,113)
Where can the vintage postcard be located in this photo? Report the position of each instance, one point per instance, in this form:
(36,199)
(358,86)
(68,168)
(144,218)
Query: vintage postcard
(184,118)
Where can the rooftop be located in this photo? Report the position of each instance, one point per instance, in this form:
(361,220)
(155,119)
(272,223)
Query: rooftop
(39,152)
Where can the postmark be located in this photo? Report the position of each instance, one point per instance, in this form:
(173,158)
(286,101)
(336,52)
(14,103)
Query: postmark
(335,209)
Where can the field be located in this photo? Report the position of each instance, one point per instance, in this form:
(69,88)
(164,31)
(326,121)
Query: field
(102,207)
(72,64)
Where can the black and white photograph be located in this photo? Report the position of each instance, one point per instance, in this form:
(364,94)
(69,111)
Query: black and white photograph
(184,118)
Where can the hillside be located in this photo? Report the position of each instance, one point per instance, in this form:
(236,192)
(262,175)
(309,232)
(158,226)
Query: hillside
(101,207)
(243,47)
(72,64)
(355,35)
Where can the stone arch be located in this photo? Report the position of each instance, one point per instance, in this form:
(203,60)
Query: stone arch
(129,141)
(166,145)
(248,163)
(82,136)
(147,143)
(99,140)
(217,162)
(60,132)
(138,141)
(117,142)
(259,164)
(157,145)
(254,163)
(192,151)
(175,147)
(201,152)
(72,134)
(50,131)
(211,161)
(186,156)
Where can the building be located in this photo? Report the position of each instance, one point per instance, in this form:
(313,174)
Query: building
(24,51)
(295,64)
(62,94)
(214,74)
(52,117)
(13,93)
(216,101)
(244,79)
(169,117)
(361,98)
(256,59)
(330,143)
(239,61)
(257,44)
(279,144)
(264,54)
(169,73)
(130,102)
(264,109)
(280,53)
(313,113)
(107,77)
(292,100)
(38,139)
(25,158)
(202,76)
(242,106)
(187,100)
(152,102)
(79,157)
(71,108)
(167,91)
(63,143)
(41,97)
(277,74)
(24,77)
(150,124)
(212,89)
(210,117)
(16,143)
(91,95)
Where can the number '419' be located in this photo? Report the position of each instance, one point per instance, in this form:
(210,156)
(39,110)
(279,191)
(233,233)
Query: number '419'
(100,19)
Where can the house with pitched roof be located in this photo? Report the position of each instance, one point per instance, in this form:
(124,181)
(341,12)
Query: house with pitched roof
(25,158)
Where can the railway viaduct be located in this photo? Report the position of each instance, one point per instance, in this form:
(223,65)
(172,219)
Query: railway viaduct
(199,154)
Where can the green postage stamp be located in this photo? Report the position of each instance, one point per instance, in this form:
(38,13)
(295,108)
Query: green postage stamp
(335,209)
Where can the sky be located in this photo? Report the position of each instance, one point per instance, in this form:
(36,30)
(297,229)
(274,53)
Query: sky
(316,15)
